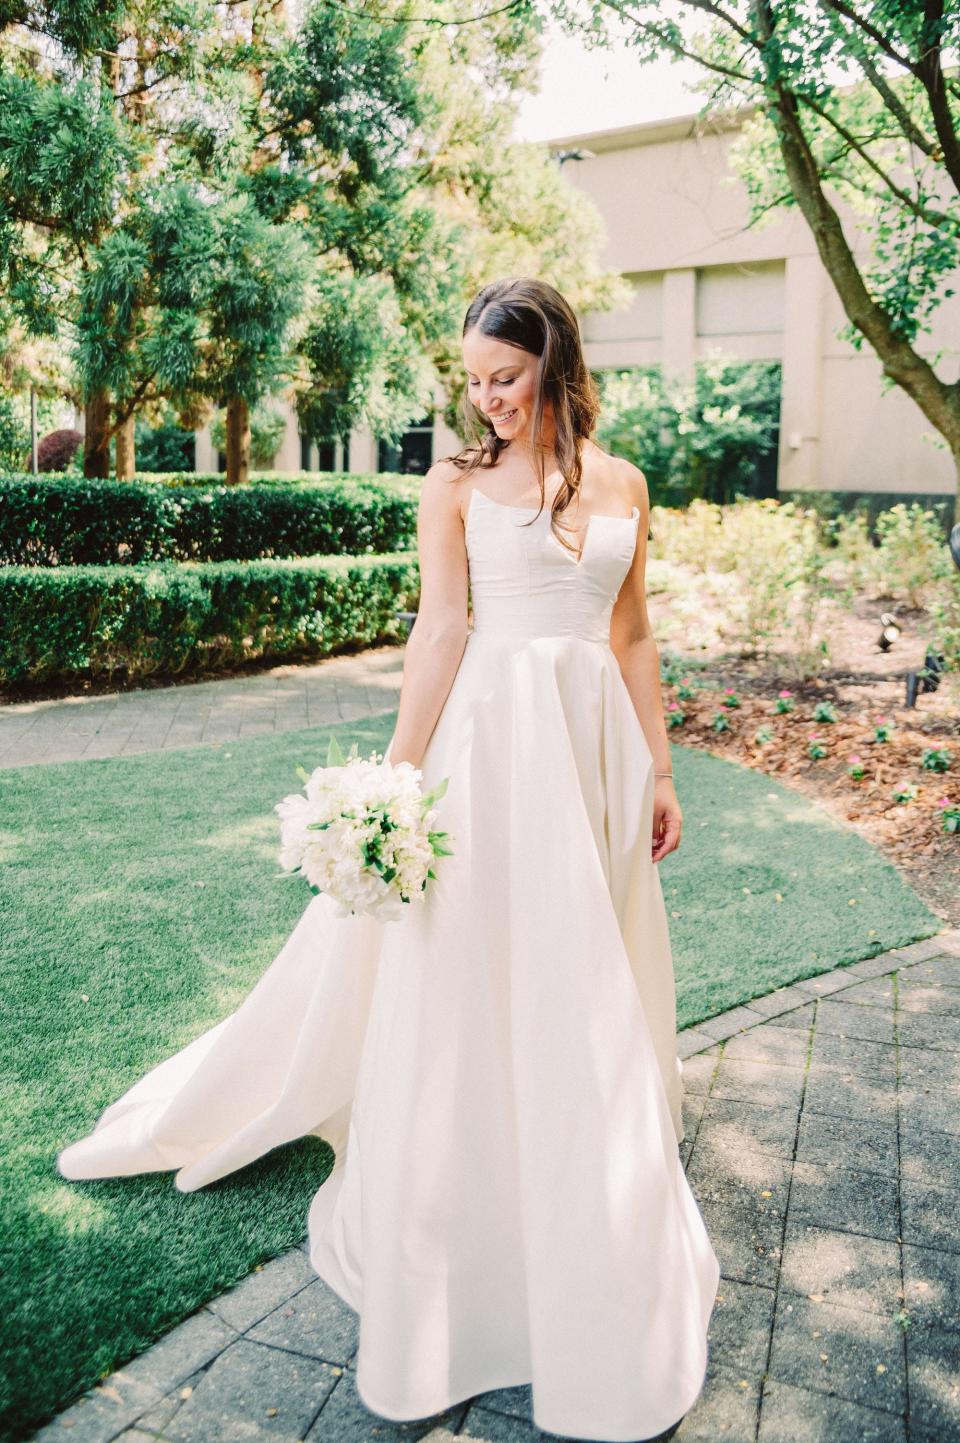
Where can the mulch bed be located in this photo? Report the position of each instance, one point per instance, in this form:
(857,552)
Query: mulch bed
(864,684)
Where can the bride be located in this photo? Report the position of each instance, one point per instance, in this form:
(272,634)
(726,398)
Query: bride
(496,1072)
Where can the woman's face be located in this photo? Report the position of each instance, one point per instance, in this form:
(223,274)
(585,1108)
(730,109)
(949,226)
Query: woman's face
(502,383)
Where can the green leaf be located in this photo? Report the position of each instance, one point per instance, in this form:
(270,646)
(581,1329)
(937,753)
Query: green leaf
(335,757)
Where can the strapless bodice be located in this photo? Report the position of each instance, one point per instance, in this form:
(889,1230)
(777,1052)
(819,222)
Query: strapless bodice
(524,583)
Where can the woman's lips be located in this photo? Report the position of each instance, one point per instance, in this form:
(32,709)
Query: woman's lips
(503,416)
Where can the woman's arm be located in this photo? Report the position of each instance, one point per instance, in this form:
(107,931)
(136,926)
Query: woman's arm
(435,646)
(633,643)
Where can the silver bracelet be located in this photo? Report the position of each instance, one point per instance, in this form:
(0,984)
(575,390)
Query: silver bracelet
(663,774)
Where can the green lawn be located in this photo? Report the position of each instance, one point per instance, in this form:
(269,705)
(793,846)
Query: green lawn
(147,885)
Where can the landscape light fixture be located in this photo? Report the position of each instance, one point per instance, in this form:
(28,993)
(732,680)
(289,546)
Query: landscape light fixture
(934,663)
(890,632)
(579,154)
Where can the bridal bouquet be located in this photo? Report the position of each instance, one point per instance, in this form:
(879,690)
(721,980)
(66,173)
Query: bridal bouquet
(361,833)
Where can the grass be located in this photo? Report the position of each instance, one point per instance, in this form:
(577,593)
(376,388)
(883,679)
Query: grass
(146,885)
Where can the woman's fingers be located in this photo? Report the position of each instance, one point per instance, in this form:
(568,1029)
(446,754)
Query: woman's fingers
(668,838)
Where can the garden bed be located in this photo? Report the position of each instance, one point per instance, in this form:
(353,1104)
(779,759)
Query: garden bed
(863,684)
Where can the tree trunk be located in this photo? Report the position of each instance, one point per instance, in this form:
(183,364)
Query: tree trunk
(956,493)
(126,464)
(238,441)
(96,438)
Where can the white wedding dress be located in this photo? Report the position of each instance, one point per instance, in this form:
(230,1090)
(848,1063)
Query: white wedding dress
(497,1071)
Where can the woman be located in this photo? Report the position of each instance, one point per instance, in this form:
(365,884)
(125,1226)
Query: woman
(497,1073)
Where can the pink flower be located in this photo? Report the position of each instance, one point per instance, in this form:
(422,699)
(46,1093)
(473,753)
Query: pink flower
(855,758)
(728,691)
(784,693)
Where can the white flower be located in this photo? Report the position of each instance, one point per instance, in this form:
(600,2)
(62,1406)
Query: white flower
(369,808)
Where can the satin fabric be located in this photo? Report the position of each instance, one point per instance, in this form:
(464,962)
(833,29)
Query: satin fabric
(497,1071)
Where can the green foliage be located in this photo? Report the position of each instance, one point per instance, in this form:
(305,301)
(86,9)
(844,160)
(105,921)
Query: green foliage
(910,561)
(944,620)
(301,199)
(62,158)
(762,569)
(15,417)
(363,362)
(850,115)
(189,618)
(699,439)
(267,427)
(165,447)
(73,522)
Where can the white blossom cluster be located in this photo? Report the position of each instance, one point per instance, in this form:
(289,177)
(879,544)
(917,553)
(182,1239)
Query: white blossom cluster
(361,833)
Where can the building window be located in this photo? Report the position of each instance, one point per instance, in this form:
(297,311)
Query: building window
(414,454)
(317,455)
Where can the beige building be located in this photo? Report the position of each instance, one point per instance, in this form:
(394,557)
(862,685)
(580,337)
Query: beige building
(676,220)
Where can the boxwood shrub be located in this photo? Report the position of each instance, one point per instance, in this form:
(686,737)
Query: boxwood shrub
(70,521)
(195,617)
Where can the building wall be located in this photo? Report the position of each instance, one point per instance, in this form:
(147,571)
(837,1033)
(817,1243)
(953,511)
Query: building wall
(677,228)
(676,220)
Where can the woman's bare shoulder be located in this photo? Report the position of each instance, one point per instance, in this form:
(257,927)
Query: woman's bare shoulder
(631,477)
(444,488)
(617,479)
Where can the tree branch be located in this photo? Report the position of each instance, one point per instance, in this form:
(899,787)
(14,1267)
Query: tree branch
(842,8)
(931,77)
(936,218)
(938,401)
(881,85)
(668,43)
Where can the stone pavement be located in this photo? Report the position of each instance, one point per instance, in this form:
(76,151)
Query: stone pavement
(823,1147)
(339,688)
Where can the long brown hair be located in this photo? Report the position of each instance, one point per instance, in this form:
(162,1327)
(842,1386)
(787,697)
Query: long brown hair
(534,316)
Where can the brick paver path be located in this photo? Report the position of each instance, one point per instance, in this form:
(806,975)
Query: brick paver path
(823,1146)
(339,688)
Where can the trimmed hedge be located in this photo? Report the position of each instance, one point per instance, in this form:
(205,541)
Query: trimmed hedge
(192,618)
(71,521)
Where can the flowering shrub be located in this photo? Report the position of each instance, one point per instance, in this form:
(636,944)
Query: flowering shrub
(911,556)
(951,814)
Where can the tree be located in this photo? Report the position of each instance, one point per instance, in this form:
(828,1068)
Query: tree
(851,105)
(210,204)
(515,211)
(77,84)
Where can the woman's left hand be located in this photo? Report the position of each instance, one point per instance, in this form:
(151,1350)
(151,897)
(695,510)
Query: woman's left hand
(667,819)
